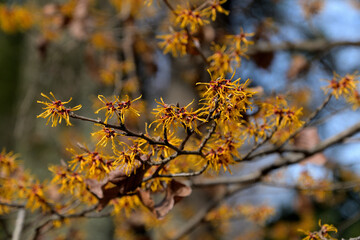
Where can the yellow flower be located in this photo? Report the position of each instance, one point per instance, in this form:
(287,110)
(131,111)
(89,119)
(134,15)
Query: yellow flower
(170,116)
(354,99)
(78,160)
(281,115)
(98,165)
(127,204)
(241,39)
(325,229)
(56,111)
(110,107)
(15,19)
(67,179)
(215,7)
(36,197)
(106,134)
(174,42)
(345,86)
(255,129)
(129,157)
(290,118)
(222,151)
(92,163)
(8,163)
(125,106)
(118,107)
(232,98)
(186,17)
(310,235)
(220,61)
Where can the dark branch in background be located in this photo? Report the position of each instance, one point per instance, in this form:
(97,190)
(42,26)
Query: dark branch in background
(201,214)
(197,47)
(287,160)
(348,223)
(256,177)
(190,174)
(14,205)
(307,46)
(342,186)
(59,216)
(172,9)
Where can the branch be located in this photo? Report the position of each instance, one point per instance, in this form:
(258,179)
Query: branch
(280,162)
(125,130)
(172,9)
(197,47)
(279,149)
(258,145)
(334,187)
(57,216)
(189,174)
(14,205)
(307,46)
(19,224)
(201,214)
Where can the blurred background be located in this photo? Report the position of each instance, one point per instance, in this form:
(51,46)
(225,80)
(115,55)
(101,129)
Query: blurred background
(110,47)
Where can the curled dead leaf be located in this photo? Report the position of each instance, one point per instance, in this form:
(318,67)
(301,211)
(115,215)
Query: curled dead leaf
(116,184)
(175,191)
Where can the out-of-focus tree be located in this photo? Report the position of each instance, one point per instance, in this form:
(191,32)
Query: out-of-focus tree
(175,167)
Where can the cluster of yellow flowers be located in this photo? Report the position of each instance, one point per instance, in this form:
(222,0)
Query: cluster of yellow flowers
(323,233)
(224,101)
(201,137)
(56,110)
(346,87)
(258,214)
(189,20)
(19,188)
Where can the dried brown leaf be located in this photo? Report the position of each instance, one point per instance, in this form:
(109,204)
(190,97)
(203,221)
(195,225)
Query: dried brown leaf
(116,184)
(175,191)
(145,198)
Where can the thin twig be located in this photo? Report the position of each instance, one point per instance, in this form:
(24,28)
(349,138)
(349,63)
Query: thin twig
(334,187)
(126,131)
(318,45)
(257,146)
(279,148)
(201,214)
(290,159)
(19,224)
(172,9)
(14,205)
(189,174)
